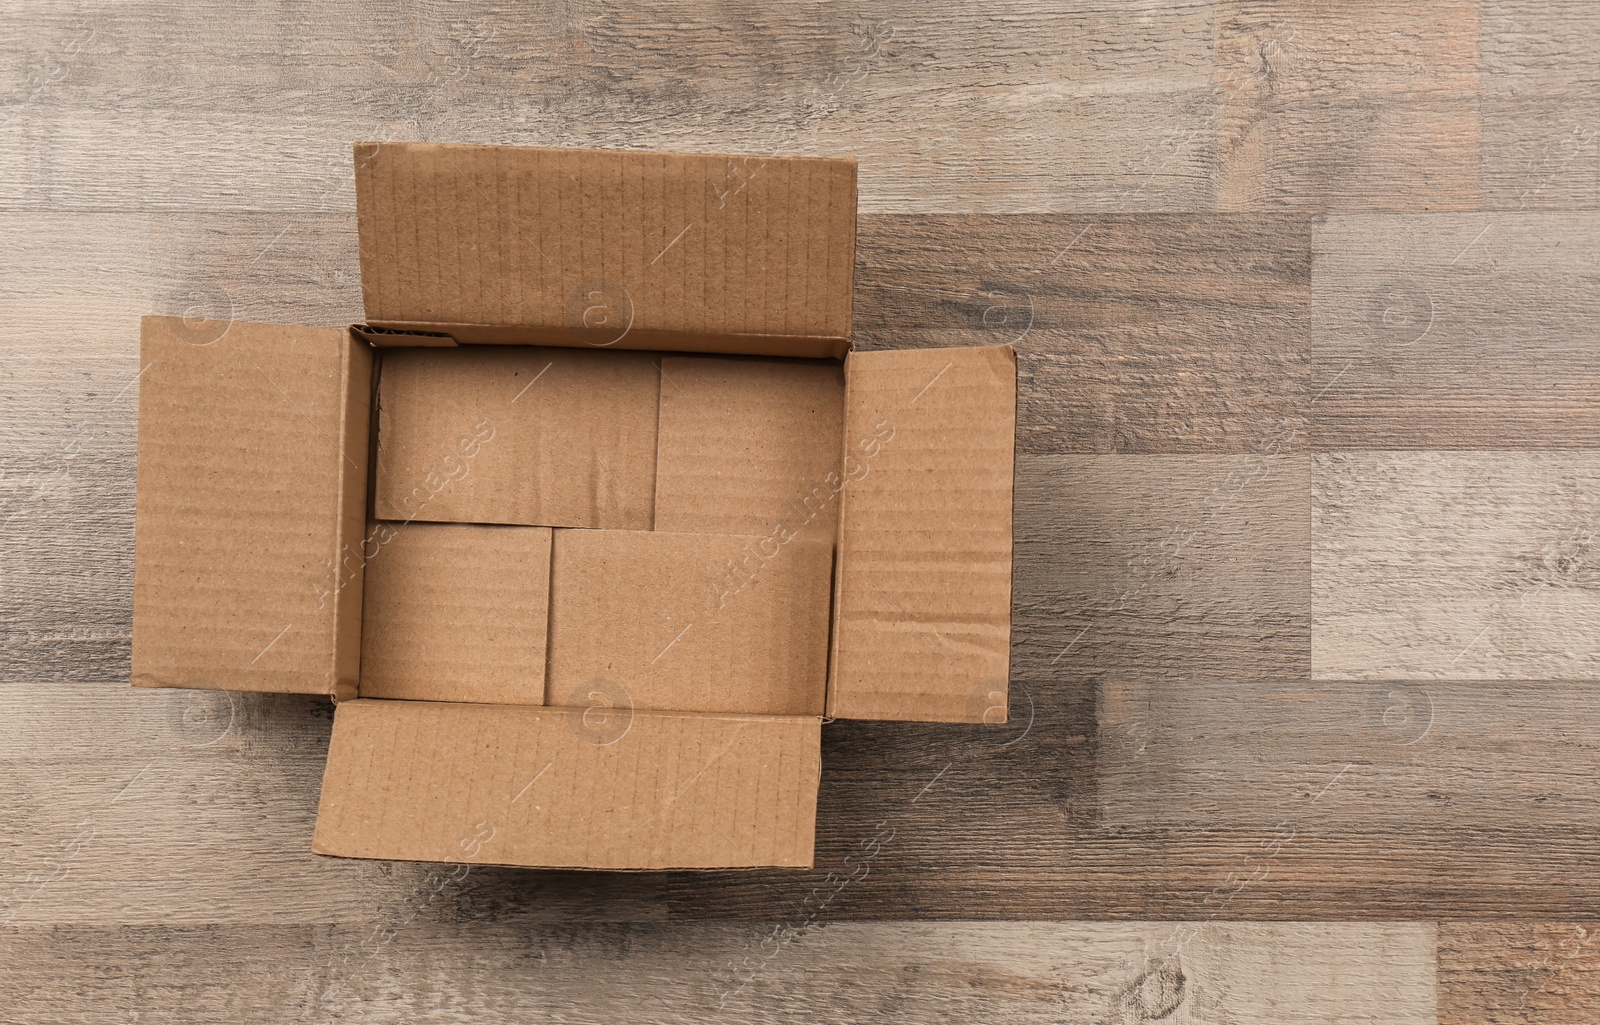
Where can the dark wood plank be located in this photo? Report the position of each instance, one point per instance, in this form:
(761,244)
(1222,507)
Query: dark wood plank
(1433,757)
(1136,333)
(1162,567)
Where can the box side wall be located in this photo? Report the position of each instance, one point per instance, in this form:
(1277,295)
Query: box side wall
(396,334)
(750,447)
(550,788)
(251,464)
(619,249)
(922,609)
(517,435)
(356,419)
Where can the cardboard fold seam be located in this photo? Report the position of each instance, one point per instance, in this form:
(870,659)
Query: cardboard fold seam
(424,334)
(360,379)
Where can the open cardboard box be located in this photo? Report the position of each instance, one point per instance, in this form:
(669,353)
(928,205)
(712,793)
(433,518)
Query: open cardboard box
(592,523)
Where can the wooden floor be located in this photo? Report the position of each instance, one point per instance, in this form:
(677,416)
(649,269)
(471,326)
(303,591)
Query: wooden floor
(1306,669)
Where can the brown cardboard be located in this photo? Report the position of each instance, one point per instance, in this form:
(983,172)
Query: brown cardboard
(922,605)
(508,785)
(536,436)
(677,620)
(695,622)
(749,446)
(455,612)
(252,466)
(670,250)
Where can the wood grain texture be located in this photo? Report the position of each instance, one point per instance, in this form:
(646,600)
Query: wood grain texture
(418,966)
(1538,78)
(1303,614)
(1455,331)
(1518,973)
(1066,105)
(1135,334)
(1162,567)
(1347,105)
(1455,565)
(1443,758)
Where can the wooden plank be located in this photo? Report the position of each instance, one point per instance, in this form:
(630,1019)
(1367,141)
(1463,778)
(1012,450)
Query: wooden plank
(1113,114)
(1455,331)
(413,965)
(1518,973)
(1445,758)
(113,788)
(947,822)
(1455,565)
(1135,333)
(69,396)
(1162,567)
(1539,82)
(1347,106)
(82,294)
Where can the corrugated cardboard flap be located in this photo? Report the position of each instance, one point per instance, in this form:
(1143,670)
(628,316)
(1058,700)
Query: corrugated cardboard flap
(250,507)
(922,605)
(613,249)
(599,788)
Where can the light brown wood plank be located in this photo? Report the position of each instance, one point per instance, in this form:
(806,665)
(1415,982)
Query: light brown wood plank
(1455,565)
(69,396)
(1347,105)
(1114,113)
(1136,333)
(1456,331)
(1539,82)
(168,806)
(412,966)
(77,284)
(1518,973)
(1161,567)
(1225,372)
(1438,757)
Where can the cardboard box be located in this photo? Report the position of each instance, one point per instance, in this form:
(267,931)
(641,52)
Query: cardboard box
(594,521)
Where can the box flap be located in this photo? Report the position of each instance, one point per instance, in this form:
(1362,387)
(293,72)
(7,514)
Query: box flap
(608,248)
(689,622)
(749,446)
(544,437)
(923,595)
(250,507)
(455,612)
(559,788)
